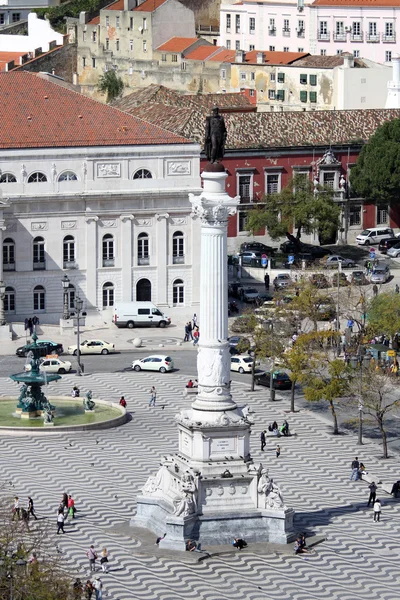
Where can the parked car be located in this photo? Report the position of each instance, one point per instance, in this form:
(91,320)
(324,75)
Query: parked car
(334,260)
(92,347)
(374,235)
(281,281)
(394,251)
(45,346)
(317,251)
(237,340)
(52,365)
(280,380)
(343,281)
(234,289)
(290,247)
(154,363)
(243,363)
(249,294)
(250,258)
(380,274)
(319,280)
(387,243)
(257,247)
(359,278)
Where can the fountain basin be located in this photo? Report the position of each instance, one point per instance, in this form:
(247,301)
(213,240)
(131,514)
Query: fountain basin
(70,416)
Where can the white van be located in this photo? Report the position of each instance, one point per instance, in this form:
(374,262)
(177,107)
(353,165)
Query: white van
(139,314)
(374,235)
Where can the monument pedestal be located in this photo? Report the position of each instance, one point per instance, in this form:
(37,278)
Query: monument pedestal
(210,490)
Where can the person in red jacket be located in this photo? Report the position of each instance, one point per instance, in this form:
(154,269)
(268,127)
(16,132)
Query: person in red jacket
(71,507)
(123,402)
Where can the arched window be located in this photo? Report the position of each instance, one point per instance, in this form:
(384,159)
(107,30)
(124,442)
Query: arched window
(143,290)
(9,300)
(39,262)
(8,255)
(71,297)
(143,249)
(69,252)
(68,176)
(142,174)
(37,178)
(178,292)
(8,178)
(108,250)
(108,294)
(39,298)
(178,248)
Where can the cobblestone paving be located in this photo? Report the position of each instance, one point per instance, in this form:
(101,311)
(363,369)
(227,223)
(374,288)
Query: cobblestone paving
(105,470)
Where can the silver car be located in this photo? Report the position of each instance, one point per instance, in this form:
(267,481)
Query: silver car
(380,274)
(394,251)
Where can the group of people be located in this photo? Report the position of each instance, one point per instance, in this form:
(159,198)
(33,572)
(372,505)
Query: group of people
(357,469)
(94,586)
(192,332)
(192,384)
(66,509)
(20,513)
(300,546)
(30,324)
(276,430)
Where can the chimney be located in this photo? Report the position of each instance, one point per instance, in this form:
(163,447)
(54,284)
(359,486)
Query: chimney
(83,17)
(75,80)
(240,56)
(348,60)
(393,97)
(260,58)
(130,4)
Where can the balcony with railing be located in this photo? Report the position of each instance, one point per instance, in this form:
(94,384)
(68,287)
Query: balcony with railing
(357,37)
(143,260)
(201,28)
(389,39)
(286,32)
(324,36)
(39,265)
(108,262)
(373,37)
(272,30)
(178,260)
(300,33)
(9,266)
(340,36)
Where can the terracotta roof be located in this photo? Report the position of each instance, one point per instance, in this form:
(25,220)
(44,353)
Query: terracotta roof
(201,53)
(118,5)
(274,130)
(94,21)
(325,62)
(6,57)
(362,3)
(177,44)
(35,113)
(150,5)
(231,100)
(271,58)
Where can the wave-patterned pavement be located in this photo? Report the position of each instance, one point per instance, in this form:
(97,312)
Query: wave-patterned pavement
(105,471)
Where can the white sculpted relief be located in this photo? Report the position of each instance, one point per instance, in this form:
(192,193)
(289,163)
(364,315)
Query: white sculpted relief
(187,503)
(39,226)
(144,222)
(158,484)
(68,224)
(178,220)
(178,168)
(109,222)
(214,366)
(268,488)
(109,170)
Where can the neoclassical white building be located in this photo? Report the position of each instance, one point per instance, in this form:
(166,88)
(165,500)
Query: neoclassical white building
(96,194)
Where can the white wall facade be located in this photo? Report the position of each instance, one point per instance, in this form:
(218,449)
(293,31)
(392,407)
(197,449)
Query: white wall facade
(102,198)
(40,34)
(367,32)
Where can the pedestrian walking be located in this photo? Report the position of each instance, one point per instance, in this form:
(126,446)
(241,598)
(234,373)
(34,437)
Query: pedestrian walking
(30,326)
(262,440)
(372,493)
(104,560)
(355,465)
(60,521)
(31,510)
(92,556)
(16,509)
(266,281)
(186,336)
(377,510)
(77,589)
(278,451)
(98,588)
(153,396)
(71,507)
(194,321)
(196,336)
(122,401)
(64,500)
(25,518)
(89,589)
(190,330)
(375,290)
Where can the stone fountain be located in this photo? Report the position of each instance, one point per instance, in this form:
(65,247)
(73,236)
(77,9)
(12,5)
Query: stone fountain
(32,402)
(210,490)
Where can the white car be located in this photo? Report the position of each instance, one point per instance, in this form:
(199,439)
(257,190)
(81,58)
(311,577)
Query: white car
(394,251)
(243,363)
(53,365)
(154,363)
(92,347)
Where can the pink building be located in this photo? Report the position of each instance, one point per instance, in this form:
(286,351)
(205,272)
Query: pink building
(367,29)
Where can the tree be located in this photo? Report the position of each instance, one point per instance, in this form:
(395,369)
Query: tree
(376,176)
(379,398)
(296,360)
(297,206)
(325,378)
(110,84)
(383,314)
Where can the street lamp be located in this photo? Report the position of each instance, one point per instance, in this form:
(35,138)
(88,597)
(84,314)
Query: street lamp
(65,284)
(2,296)
(78,304)
(271,377)
(363,360)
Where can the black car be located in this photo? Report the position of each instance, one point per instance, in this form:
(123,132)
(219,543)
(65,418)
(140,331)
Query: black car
(234,289)
(387,243)
(257,247)
(280,380)
(242,342)
(45,346)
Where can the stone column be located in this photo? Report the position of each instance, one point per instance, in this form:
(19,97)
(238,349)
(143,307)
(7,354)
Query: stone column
(161,259)
(91,261)
(213,206)
(126,256)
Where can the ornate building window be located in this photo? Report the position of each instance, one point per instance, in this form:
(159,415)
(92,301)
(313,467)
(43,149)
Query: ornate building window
(108,294)
(8,255)
(37,178)
(68,176)
(69,252)
(142,174)
(178,248)
(143,249)
(39,298)
(178,292)
(9,300)
(108,250)
(8,178)
(39,262)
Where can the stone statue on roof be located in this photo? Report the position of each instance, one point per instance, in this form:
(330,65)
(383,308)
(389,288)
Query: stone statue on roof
(215,136)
